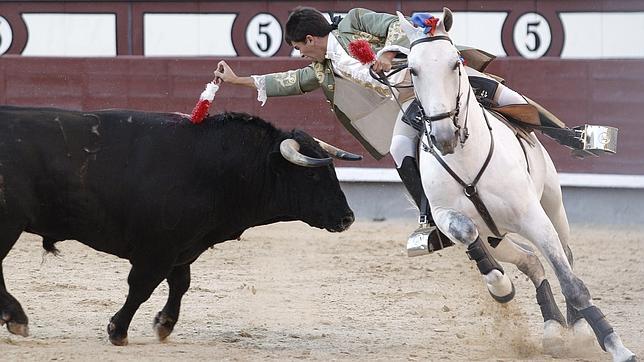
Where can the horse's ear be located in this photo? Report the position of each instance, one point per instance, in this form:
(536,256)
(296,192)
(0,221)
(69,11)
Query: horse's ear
(412,32)
(448,20)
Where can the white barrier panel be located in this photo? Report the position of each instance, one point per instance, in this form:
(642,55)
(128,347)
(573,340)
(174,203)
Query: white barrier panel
(359,174)
(70,35)
(188,35)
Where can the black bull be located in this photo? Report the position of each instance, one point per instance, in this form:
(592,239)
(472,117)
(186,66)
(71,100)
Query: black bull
(154,189)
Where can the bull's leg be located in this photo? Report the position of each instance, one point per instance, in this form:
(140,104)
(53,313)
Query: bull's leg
(178,283)
(460,228)
(146,274)
(541,231)
(552,203)
(513,250)
(11,311)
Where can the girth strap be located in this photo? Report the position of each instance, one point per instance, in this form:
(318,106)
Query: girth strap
(470,189)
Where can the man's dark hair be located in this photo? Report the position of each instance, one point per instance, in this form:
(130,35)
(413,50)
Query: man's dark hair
(305,21)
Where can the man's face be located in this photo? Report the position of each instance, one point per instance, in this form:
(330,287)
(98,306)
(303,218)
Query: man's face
(313,48)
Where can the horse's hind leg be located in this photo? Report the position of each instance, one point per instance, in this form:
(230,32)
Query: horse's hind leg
(460,228)
(11,311)
(542,232)
(513,250)
(552,203)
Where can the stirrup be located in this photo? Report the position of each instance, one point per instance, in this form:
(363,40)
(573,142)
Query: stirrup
(596,140)
(586,140)
(426,240)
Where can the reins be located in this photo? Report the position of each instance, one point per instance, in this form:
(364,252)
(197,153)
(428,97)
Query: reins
(470,190)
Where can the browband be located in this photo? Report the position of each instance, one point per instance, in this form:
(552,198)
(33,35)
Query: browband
(431,38)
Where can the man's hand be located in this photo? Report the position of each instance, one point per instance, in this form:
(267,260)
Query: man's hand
(224,73)
(383,63)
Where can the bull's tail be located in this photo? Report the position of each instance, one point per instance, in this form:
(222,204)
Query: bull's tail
(48,245)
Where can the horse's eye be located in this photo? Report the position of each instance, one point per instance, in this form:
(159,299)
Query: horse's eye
(412,71)
(455,65)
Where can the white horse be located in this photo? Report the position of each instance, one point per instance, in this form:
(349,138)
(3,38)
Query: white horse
(513,189)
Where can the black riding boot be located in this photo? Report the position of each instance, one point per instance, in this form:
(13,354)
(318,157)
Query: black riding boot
(427,238)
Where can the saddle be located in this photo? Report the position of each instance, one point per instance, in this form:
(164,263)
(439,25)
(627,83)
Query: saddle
(522,119)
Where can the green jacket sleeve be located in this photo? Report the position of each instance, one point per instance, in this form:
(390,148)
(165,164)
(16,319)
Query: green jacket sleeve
(380,29)
(292,82)
(364,20)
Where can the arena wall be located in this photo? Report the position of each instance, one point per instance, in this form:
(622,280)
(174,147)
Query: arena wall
(606,92)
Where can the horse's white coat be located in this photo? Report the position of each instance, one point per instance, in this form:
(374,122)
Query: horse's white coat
(525,205)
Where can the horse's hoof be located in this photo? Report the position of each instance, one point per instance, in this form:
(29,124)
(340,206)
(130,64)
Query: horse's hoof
(499,286)
(18,328)
(115,339)
(553,339)
(163,326)
(583,336)
(632,358)
(506,298)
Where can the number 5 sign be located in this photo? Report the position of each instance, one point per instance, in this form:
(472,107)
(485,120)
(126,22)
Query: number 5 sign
(6,36)
(532,36)
(264,35)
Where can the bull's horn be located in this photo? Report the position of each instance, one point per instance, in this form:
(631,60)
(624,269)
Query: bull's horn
(338,153)
(290,150)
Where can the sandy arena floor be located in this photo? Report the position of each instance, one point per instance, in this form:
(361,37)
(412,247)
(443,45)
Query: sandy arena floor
(290,292)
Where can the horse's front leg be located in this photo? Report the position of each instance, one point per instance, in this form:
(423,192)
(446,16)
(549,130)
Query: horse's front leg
(513,249)
(542,233)
(460,228)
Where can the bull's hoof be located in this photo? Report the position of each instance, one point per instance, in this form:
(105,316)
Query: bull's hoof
(18,329)
(163,325)
(17,323)
(116,338)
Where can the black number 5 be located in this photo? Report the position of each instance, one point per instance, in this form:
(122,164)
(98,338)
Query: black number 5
(263,32)
(531,30)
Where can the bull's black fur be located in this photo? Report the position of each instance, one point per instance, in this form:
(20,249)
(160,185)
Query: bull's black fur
(152,188)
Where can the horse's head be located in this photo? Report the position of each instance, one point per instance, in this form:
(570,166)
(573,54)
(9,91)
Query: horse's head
(437,72)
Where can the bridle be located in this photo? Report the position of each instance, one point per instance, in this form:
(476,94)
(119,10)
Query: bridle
(463,132)
(470,189)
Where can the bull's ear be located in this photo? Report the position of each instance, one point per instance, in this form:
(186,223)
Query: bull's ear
(412,32)
(448,19)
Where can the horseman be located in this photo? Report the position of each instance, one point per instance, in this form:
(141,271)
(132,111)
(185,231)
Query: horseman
(381,118)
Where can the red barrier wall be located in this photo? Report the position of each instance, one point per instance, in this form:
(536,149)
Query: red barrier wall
(607,92)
